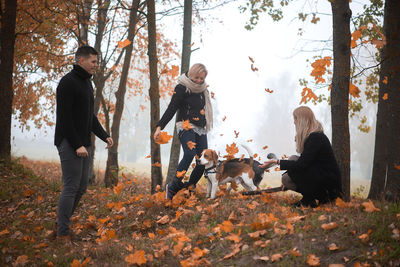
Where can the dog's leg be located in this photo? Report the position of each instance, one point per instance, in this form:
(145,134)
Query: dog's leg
(248,182)
(214,186)
(209,185)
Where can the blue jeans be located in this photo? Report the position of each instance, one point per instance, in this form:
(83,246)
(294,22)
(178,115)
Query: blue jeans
(188,154)
(75,177)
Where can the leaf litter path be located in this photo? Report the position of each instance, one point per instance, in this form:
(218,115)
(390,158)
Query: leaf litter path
(126,226)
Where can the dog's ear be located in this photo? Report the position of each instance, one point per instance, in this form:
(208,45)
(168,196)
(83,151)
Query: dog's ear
(214,156)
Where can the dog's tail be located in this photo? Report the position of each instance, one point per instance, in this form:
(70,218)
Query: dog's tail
(250,154)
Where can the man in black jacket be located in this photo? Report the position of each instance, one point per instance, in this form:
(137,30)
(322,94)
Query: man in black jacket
(75,123)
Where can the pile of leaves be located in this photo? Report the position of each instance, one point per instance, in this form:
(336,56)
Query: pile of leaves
(126,226)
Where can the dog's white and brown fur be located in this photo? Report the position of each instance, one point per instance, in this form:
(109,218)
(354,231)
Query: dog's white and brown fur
(227,172)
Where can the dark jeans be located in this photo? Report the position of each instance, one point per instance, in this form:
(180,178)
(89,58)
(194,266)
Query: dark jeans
(201,143)
(75,178)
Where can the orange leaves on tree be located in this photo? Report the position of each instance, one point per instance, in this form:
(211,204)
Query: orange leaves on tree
(307,94)
(385,96)
(186,125)
(191,145)
(163,138)
(354,91)
(173,71)
(139,258)
(329,226)
(124,43)
(319,69)
(369,206)
(354,37)
(313,260)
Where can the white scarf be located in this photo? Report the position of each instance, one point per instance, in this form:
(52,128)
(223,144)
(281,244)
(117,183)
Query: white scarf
(199,88)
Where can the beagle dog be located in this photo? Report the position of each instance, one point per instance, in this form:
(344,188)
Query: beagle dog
(245,171)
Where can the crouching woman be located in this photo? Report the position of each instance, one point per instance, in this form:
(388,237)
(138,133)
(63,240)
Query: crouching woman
(315,173)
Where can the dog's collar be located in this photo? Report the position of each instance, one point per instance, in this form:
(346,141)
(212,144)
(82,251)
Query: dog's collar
(213,169)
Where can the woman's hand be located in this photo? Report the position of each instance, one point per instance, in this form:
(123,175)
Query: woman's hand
(268,163)
(157,133)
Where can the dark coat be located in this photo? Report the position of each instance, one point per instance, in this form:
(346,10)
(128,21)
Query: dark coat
(75,117)
(190,106)
(316,172)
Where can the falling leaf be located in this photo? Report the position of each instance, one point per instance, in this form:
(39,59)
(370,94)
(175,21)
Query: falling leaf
(250,140)
(196,119)
(163,138)
(385,96)
(269,91)
(212,95)
(265,147)
(180,174)
(191,145)
(385,80)
(333,247)
(136,258)
(251,59)
(312,260)
(236,133)
(253,68)
(329,226)
(124,43)
(148,156)
(186,125)
(156,164)
(224,118)
(369,206)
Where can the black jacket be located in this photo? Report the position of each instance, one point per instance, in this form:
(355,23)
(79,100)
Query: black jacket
(316,172)
(75,117)
(190,106)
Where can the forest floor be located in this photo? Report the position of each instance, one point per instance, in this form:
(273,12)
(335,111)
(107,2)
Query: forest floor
(126,226)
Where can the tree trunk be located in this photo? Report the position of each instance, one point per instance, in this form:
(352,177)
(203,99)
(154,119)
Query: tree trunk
(7,39)
(340,90)
(111,175)
(156,174)
(98,79)
(83,19)
(185,63)
(379,169)
(391,63)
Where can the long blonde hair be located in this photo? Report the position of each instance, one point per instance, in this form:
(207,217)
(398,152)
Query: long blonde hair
(197,69)
(305,123)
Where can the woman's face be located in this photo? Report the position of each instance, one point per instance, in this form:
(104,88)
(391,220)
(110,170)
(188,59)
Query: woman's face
(198,78)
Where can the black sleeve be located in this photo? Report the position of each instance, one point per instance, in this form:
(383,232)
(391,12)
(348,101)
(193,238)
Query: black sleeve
(176,100)
(98,130)
(64,99)
(312,146)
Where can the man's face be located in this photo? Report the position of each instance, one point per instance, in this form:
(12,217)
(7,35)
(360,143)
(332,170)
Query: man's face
(89,63)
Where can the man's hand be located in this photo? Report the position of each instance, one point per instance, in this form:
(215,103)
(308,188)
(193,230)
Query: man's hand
(157,133)
(110,142)
(82,152)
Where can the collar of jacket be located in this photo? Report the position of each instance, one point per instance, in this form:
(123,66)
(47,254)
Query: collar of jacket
(81,72)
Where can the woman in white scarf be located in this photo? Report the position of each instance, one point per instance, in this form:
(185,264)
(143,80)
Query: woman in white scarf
(191,100)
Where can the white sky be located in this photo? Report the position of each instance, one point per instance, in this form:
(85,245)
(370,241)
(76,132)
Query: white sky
(240,96)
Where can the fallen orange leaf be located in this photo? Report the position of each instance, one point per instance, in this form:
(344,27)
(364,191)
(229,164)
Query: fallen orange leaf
(333,247)
(234,237)
(276,257)
(329,226)
(369,206)
(163,220)
(295,252)
(313,260)
(136,258)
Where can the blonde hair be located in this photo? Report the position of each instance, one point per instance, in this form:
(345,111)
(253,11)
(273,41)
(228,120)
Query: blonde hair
(196,69)
(305,124)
